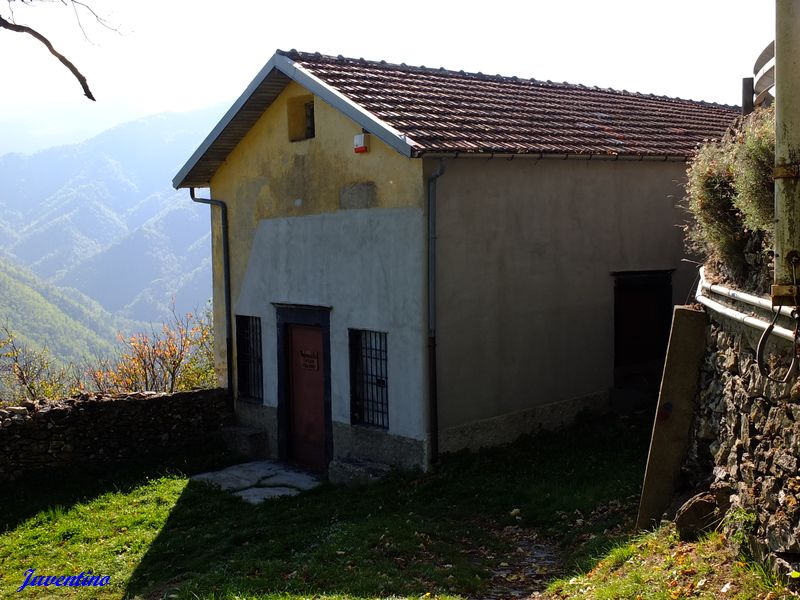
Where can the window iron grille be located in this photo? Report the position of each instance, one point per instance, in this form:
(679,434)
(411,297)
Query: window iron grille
(249,370)
(369,393)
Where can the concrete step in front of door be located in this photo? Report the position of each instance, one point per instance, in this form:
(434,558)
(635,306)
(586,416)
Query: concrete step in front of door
(247,442)
(260,480)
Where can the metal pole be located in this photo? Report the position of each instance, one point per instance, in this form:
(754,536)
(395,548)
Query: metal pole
(747,95)
(787,152)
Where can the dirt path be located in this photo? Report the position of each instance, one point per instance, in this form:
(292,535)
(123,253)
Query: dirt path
(524,571)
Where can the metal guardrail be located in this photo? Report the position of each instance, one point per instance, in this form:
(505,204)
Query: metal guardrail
(758,90)
(705,290)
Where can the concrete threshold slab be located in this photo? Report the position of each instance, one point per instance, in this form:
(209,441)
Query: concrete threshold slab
(260,480)
(257,495)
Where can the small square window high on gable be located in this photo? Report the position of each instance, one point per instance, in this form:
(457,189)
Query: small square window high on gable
(300,117)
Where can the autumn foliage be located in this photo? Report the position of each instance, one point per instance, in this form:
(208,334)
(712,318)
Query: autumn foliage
(175,357)
(28,374)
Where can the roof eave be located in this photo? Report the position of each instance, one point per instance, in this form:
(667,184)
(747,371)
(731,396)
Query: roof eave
(180,181)
(316,86)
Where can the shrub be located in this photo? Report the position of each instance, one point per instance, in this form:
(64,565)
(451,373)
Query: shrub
(729,192)
(177,357)
(753,162)
(718,230)
(29,374)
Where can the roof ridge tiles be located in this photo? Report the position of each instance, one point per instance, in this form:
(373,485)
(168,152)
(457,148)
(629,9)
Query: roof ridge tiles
(442,71)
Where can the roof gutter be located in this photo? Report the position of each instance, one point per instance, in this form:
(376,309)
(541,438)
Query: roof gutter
(226,282)
(433,400)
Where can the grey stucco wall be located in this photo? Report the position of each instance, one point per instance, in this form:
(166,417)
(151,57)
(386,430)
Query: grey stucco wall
(526,249)
(368,266)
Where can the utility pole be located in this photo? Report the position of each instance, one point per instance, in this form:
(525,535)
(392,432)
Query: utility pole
(786,289)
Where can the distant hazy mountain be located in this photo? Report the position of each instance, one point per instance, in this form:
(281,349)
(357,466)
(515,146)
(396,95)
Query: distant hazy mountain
(102,217)
(72,326)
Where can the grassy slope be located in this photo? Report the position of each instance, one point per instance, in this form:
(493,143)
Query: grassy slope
(657,566)
(72,326)
(446,532)
(463,530)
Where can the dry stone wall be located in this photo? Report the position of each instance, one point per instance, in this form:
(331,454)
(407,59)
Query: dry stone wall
(96,429)
(745,439)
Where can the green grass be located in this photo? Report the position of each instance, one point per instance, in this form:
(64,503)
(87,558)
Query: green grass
(657,566)
(442,533)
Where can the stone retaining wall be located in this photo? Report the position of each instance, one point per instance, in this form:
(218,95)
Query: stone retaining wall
(745,439)
(93,429)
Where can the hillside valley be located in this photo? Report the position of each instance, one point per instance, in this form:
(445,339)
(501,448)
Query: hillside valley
(98,225)
(73,327)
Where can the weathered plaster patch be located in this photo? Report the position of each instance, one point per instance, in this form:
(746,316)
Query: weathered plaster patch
(358,195)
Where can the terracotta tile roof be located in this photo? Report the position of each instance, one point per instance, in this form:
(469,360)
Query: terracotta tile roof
(451,111)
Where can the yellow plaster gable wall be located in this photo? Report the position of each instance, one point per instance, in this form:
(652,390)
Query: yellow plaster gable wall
(268,176)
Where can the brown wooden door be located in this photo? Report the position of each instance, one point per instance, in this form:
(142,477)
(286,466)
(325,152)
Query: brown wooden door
(307,398)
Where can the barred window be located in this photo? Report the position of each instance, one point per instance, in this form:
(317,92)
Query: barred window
(369,400)
(249,371)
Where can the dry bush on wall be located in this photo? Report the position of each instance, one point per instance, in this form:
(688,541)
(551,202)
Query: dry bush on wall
(729,192)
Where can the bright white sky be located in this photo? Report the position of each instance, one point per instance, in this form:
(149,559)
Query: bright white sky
(178,55)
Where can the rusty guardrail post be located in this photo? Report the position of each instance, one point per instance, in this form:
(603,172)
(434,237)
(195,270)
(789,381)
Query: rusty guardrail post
(787,152)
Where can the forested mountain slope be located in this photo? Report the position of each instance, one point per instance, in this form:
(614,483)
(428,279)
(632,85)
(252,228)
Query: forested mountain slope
(102,217)
(72,326)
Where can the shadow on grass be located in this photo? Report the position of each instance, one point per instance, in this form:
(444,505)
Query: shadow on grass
(325,542)
(411,534)
(67,486)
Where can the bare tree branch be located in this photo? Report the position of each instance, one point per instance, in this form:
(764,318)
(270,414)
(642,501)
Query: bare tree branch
(92,12)
(4,24)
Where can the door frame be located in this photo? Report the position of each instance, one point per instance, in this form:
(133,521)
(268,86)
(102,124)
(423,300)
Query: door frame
(311,316)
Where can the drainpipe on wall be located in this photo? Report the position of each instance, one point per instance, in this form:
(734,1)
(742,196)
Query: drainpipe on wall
(786,288)
(432,388)
(226,282)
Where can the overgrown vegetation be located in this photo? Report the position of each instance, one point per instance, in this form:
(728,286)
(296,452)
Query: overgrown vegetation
(176,357)
(729,192)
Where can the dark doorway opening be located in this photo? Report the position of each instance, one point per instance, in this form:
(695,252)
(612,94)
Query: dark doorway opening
(304,387)
(642,320)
